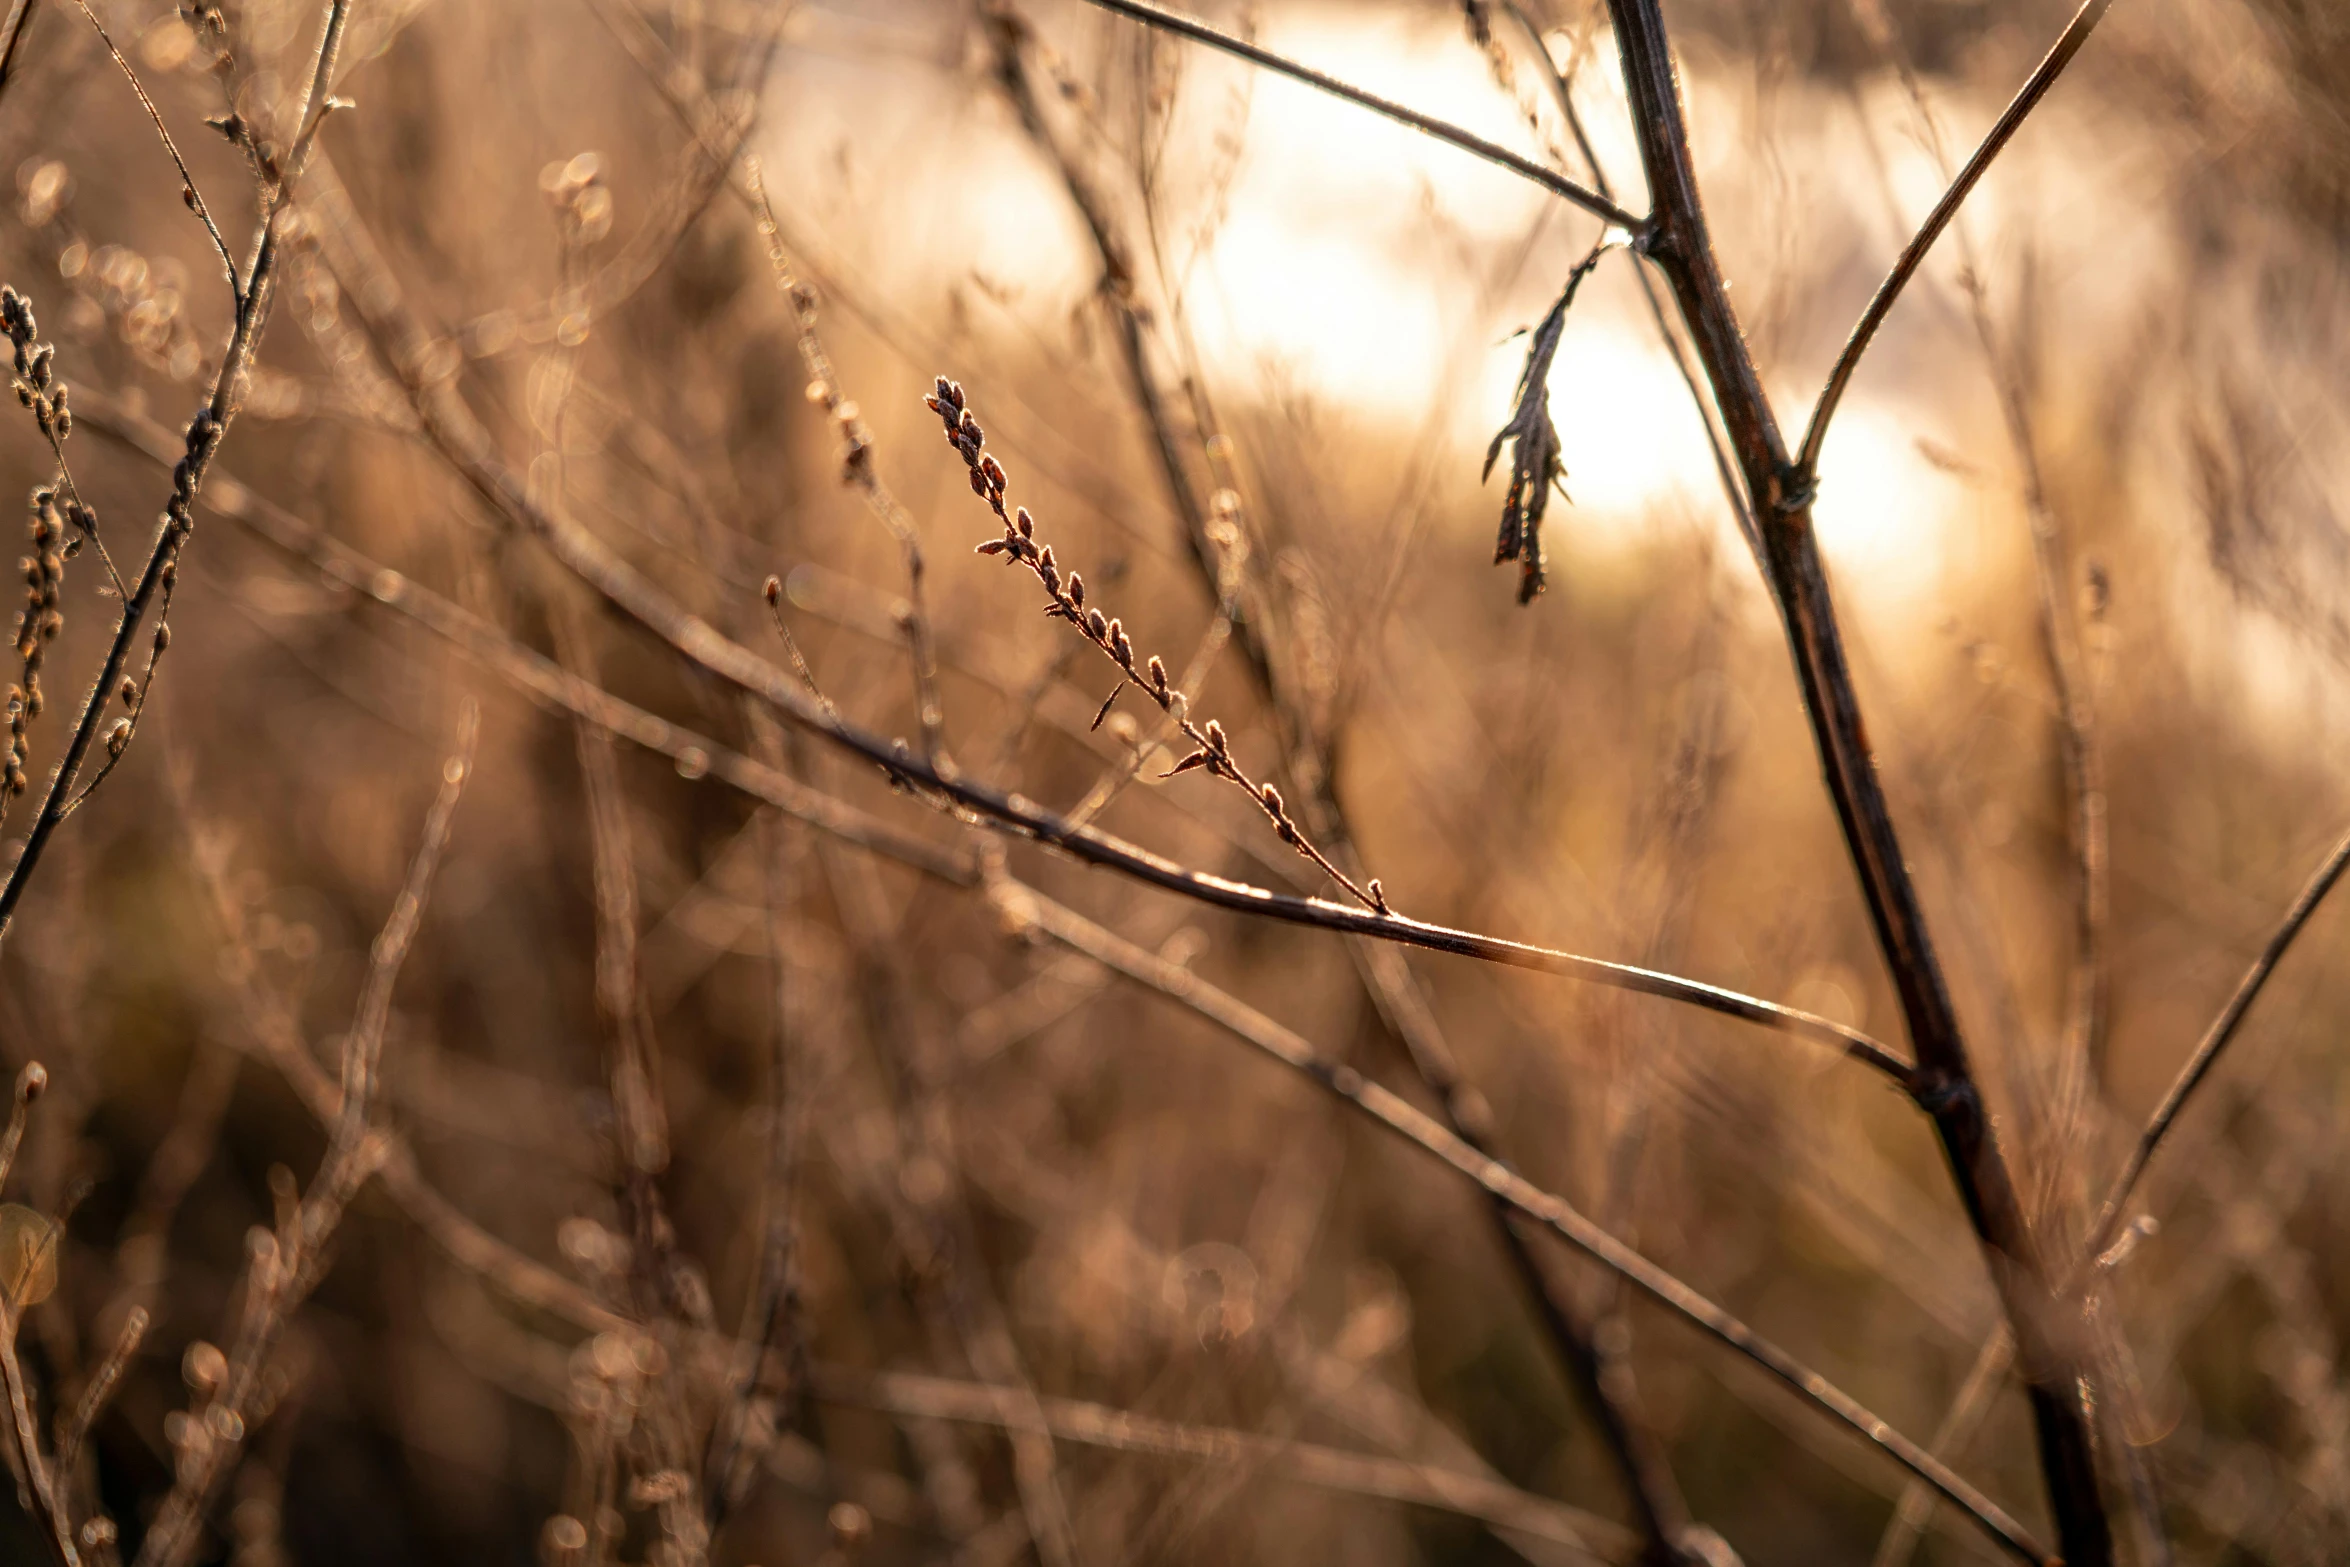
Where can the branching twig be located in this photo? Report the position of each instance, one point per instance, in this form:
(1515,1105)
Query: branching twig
(204,436)
(286,1263)
(188,192)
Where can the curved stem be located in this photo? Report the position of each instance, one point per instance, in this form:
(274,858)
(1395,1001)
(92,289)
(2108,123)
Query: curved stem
(1913,254)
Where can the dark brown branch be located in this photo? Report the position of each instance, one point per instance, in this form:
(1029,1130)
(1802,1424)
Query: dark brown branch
(1913,254)
(1780,495)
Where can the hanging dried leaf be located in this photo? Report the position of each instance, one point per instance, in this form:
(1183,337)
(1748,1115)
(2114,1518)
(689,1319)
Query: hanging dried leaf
(1534,443)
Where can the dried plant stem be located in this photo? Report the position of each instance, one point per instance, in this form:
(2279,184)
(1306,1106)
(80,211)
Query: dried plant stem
(1913,255)
(546,681)
(95,1396)
(1603,1381)
(952,1282)
(188,191)
(1178,983)
(1780,495)
(1199,32)
(286,1263)
(857,467)
(1018,546)
(2083,761)
(255,294)
(2208,1050)
(1501,1506)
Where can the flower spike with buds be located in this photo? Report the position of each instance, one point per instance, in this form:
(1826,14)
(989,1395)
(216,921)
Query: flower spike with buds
(1147,674)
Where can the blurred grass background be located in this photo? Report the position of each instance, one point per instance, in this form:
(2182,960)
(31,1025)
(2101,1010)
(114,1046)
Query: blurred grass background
(1620,768)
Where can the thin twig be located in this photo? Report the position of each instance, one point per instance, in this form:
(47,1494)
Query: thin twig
(1913,254)
(188,192)
(205,433)
(1023,908)
(40,1486)
(467,445)
(1494,1503)
(857,466)
(287,1263)
(2207,1051)
(101,1388)
(1200,32)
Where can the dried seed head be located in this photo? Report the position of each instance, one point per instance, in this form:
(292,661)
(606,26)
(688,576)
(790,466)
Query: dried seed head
(1026,523)
(1077,590)
(1216,741)
(1158,674)
(1096,625)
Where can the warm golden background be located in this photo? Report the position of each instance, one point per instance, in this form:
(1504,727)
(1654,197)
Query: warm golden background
(1015,1165)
